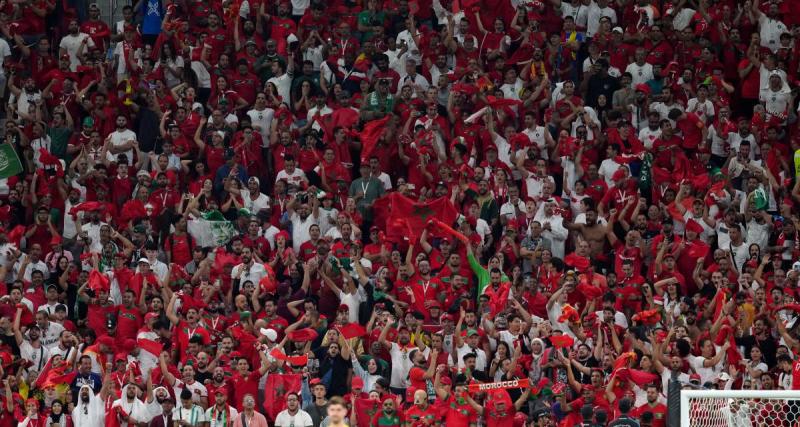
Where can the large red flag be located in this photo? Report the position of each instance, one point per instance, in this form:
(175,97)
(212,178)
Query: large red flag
(278,385)
(370,135)
(395,209)
(366,410)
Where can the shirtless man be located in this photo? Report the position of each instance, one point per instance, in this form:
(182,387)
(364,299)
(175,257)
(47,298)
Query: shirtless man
(592,232)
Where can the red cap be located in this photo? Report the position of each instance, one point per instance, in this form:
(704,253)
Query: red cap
(150,315)
(357,382)
(343,307)
(445,380)
(315,381)
(642,87)
(694,377)
(120,356)
(221,390)
(618,175)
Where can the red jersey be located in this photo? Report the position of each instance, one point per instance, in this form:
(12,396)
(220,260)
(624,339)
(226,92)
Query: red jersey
(129,320)
(659,411)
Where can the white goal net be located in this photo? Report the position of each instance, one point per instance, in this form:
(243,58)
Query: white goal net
(740,408)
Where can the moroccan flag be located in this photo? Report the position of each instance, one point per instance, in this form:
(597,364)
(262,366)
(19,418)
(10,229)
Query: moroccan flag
(98,281)
(370,135)
(278,385)
(9,161)
(502,385)
(366,410)
(153,347)
(395,209)
(352,330)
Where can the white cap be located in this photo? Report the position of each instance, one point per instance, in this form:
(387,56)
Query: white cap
(291,39)
(198,106)
(617,30)
(144,260)
(366,263)
(724,376)
(269,333)
(796,266)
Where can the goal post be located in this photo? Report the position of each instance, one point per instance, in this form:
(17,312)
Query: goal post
(739,408)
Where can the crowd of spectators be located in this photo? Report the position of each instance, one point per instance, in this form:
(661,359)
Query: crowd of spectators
(316,213)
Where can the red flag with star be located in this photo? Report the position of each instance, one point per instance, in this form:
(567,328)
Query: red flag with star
(398,209)
(278,385)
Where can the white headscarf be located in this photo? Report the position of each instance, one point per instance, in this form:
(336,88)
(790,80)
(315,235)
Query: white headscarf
(89,414)
(136,409)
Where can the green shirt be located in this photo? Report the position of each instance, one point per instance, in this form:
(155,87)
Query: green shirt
(372,188)
(59,138)
(375,103)
(369,18)
(481,273)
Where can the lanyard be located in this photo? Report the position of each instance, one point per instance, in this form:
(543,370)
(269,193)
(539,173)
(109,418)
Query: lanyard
(425,286)
(364,188)
(216,416)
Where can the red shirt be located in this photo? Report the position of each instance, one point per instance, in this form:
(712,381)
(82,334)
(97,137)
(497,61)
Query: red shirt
(180,248)
(459,414)
(418,417)
(129,320)
(659,411)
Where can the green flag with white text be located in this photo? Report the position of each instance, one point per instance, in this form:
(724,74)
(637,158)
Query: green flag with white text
(10,164)
(211,230)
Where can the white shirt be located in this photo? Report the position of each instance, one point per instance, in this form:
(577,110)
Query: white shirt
(352,301)
(401,364)
(579,13)
(71,43)
(120,138)
(29,269)
(537,136)
(706,374)
(119,52)
(480,359)
(261,202)
(640,73)
(93,231)
(95,412)
(37,356)
(262,121)
(300,228)
(704,110)
(324,111)
(593,17)
(607,169)
(254,274)
(294,179)
(299,419)
(776,101)
(649,136)
(5,52)
(413,51)
(198,390)
(51,335)
(417,81)
(284,85)
(195,415)
(770,31)
(212,414)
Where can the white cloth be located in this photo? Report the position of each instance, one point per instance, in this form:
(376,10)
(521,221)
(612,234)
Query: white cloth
(300,419)
(91,414)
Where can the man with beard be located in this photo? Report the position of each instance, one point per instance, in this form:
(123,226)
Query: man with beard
(401,362)
(185,330)
(246,381)
(31,349)
(217,382)
(421,414)
(221,414)
(293,416)
(122,140)
(498,409)
(422,289)
(248,270)
(273,321)
(71,43)
(469,345)
(130,410)
(388,416)
(593,231)
(89,410)
(198,392)
(249,417)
